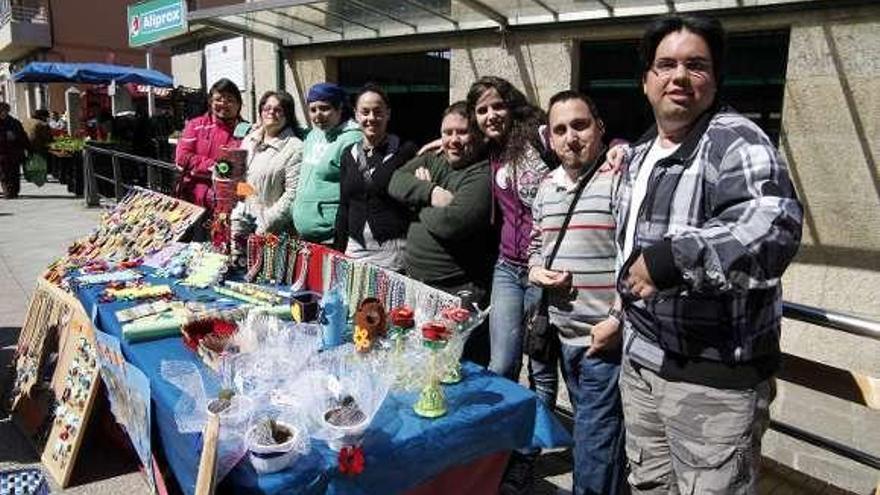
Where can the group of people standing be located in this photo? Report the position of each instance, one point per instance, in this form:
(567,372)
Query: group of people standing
(658,261)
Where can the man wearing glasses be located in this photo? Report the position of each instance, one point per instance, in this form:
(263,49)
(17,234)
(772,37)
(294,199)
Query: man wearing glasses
(708,220)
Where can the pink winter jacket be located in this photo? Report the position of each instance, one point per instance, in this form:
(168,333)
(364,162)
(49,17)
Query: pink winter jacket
(199,148)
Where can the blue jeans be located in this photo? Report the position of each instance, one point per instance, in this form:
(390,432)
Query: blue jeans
(512,298)
(599,455)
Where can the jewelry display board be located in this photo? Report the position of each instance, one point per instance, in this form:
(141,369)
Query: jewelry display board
(75,384)
(56,414)
(48,313)
(139,225)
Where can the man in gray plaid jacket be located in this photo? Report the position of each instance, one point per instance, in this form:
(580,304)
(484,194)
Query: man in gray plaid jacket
(708,220)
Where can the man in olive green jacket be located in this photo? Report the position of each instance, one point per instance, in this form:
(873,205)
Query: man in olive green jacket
(448,244)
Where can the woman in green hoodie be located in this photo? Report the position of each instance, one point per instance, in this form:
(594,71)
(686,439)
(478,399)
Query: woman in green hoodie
(317,198)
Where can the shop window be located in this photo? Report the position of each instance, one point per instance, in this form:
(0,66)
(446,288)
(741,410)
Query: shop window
(754,81)
(416,83)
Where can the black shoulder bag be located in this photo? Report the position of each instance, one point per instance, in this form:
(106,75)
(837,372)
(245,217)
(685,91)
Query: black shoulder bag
(540,337)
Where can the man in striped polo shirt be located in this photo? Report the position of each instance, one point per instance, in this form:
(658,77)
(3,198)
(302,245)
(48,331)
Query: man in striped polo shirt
(581,287)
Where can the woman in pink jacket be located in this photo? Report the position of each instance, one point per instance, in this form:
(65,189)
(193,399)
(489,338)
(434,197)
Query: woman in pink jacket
(204,141)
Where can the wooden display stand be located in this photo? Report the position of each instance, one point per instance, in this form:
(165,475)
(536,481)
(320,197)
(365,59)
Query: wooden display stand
(55,316)
(49,311)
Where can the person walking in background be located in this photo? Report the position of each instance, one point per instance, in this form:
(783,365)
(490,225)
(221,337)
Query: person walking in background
(13,145)
(572,257)
(371,226)
(707,222)
(316,203)
(38,132)
(204,141)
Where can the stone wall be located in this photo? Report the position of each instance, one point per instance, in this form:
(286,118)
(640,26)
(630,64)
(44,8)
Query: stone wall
(539,68)
(831,140)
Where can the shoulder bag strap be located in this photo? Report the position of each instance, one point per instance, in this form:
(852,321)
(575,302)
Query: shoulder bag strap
(577,195)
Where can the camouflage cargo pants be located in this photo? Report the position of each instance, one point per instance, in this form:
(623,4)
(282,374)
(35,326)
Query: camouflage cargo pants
(692,439)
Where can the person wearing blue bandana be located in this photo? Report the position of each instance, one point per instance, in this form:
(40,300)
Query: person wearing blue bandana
(316,202)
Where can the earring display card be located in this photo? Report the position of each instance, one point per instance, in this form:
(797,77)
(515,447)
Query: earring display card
(76,384)
(47,317)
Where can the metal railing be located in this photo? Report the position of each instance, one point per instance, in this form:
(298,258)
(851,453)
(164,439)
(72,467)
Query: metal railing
(110,173)
(843,322)
(830,319)
(22,13)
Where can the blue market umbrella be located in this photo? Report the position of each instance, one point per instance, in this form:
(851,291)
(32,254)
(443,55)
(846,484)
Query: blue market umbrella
(90,73)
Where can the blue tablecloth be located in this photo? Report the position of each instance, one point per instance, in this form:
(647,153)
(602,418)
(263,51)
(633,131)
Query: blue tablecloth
(487,414)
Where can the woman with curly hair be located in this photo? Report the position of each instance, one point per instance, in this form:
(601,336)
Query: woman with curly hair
(508,125)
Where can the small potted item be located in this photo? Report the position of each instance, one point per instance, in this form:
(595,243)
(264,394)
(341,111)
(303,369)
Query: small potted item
(346,421)
(274,445)
(237,409)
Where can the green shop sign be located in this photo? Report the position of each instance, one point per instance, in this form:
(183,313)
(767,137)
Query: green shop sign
(155,20)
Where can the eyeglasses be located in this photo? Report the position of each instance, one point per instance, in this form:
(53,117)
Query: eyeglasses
(272,110)
(695,67)
(223,99)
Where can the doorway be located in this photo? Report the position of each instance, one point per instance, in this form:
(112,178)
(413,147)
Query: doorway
(417,85)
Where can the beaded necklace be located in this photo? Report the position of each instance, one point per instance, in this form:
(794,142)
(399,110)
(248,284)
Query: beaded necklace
(300,281)
(254,257)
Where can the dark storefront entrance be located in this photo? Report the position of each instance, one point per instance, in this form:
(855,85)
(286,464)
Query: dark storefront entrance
(417,85)
(754,83)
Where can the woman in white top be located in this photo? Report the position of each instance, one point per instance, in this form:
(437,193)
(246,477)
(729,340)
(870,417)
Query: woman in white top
(273,160)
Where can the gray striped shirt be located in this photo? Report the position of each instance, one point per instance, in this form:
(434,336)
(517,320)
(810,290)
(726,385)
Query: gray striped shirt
(587,250)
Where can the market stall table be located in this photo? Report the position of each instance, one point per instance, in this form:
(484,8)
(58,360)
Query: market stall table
(488,417)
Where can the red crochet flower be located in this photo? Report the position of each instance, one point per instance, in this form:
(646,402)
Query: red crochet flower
(435,332)
(351,460)
(402,317)
(224,328)
(458,315)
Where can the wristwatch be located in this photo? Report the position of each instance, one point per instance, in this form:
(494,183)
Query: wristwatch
(616,314)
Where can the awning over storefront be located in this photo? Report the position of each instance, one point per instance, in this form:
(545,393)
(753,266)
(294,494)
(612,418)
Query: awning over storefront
(300,22)
(48,72)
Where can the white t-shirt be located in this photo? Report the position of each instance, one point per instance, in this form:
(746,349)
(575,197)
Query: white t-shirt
(655,154)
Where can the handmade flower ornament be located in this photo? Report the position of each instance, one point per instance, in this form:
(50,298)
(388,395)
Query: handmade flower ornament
(351,460)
